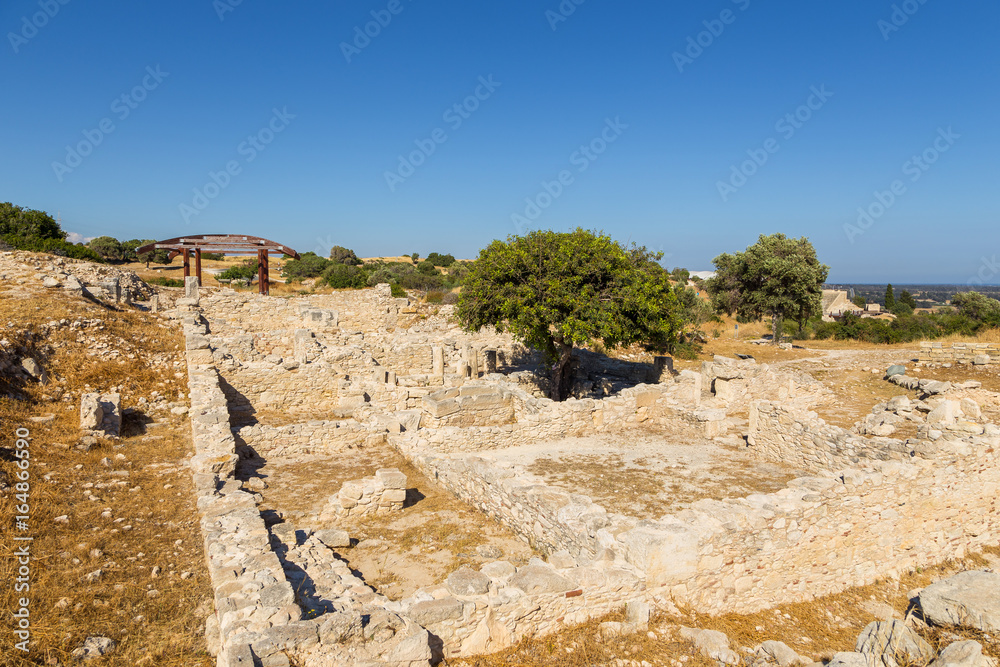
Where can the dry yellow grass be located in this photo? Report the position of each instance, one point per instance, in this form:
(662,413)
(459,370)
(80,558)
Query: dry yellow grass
(108,526)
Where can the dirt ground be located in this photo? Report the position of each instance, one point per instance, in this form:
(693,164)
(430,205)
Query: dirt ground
(396,553)
(648,475)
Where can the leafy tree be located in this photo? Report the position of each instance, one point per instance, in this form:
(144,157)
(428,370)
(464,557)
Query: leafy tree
(440,260)
(978,307)
(680,275)
(777,277)
(310,265)
(890,298)
(341,255)
(107,247)
(158,255)
(28,223)
(557,290)
(906,298)
(859,301)
(415,257)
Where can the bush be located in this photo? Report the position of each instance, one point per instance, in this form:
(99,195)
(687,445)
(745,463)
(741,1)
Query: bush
(450,299)
(397,291)
(165,282)
(214,256)
(53,247)
(310,265)
(422,282)
(427,268)
(244,271)
(434,296)
(345,276)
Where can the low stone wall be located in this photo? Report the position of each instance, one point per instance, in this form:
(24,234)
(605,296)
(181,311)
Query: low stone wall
(960,353)
(468,405)
(819,535)
(542,420)
(312,437)
(805,441)
(252,596)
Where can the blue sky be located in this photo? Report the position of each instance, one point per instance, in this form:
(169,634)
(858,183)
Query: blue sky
(604,115)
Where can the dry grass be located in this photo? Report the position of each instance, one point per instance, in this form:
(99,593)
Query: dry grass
(109,525)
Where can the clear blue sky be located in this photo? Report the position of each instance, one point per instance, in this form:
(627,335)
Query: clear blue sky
(676,134)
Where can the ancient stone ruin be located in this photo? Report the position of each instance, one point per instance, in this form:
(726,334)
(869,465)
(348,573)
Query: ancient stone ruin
(314,377)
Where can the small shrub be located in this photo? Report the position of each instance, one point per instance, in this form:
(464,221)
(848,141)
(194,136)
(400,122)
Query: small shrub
(165,282)
(244,271)
(450,299)
(434,296)
(397,291)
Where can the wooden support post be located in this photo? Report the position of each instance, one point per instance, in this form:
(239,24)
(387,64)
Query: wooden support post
(262,272)
(197,264)
(187,262)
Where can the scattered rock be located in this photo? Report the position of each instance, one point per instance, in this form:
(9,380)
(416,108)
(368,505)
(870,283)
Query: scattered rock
(963,654)
(892,644)
(94,647)
(466,581)
(968,599)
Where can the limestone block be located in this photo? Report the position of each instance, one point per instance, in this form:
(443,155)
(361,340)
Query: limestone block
(971,409)
(892,644)
(391,478)
(500,572)
(667,555)
(490,360)
(333,538)
(967,599)
(963,654)
(536,578)
(946,413)
(466,581)
(430,612)
(191,288)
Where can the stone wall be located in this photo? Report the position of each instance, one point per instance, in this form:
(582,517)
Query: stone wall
(311,437)
(803,440)
(541,420)
(960,353)
(819,535)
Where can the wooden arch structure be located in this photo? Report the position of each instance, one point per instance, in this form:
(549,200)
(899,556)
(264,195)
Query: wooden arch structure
(231,244)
